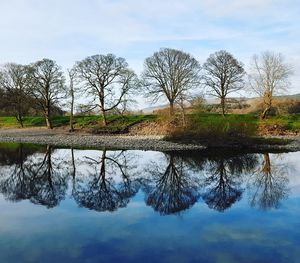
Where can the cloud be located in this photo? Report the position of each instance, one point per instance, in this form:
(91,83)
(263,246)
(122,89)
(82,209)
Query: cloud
(69,30)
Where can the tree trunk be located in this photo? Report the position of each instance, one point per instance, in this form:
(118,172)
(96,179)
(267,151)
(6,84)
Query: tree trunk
(102,162)
(19,110)
(20,119)
(73,171)
(49,165)
(223,106)
(72,111)
(171,109)
(268,104)
(265,112)
(102,107)
(21,159)
(183,112)
(104,121)
(49,123)
(183,117)
(73,163)
(47,116)
(266,165)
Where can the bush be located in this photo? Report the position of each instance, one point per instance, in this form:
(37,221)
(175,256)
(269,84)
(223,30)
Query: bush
(280,107)
(295,108)
(215,127)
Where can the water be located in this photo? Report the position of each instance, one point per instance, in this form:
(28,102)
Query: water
(68,205)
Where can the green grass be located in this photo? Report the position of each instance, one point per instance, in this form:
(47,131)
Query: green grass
(120,124)
(8,122)
(116,123)
(206,125)
(246,124)
(287,122)
(12,122)
(229,123)
(233,129)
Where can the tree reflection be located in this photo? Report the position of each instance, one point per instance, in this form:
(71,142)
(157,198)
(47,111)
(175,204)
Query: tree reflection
(50,183)
(171,188)
(172,183)
(37,178)
(269,185)
(223,180)
(99,190)
(14,181)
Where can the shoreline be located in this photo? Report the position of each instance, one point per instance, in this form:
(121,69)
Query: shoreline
(59,137)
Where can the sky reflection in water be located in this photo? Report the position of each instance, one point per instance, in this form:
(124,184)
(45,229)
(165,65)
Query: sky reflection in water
(64,205)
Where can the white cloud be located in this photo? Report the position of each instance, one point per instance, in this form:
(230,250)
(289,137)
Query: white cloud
(69,30)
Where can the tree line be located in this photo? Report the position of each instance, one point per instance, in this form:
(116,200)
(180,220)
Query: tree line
(111,84)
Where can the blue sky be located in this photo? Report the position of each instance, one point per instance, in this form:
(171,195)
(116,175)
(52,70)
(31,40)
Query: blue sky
(70,30)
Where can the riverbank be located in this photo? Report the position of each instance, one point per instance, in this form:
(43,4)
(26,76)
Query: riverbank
(60,137)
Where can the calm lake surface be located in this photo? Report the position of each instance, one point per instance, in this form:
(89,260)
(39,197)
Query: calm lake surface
(69,205)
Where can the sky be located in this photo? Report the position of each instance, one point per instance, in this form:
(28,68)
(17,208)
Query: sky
(70,30)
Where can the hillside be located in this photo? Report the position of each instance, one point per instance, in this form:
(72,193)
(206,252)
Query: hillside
(231,100)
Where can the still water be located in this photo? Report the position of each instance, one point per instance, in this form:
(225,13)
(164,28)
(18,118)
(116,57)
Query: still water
(71,205)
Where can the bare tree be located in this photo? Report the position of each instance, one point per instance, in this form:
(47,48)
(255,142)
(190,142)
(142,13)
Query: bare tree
(72,75)
(47,86)
(125,106)
(223,75)
(14,81)
(170,73)
(108,79)
(269,76)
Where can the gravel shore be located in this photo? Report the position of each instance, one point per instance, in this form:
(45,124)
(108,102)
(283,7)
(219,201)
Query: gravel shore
(60,137)
(64,138)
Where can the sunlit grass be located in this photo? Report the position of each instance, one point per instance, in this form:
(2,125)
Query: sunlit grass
(116,123)
(205,125)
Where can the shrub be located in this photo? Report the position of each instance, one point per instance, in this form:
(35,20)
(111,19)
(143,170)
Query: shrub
(215,127)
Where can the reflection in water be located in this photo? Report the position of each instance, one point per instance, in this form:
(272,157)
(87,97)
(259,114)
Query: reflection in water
(38,178)
(99,190)
(222,189)
(171,182)
(223,179)
(171,188)
(269,185)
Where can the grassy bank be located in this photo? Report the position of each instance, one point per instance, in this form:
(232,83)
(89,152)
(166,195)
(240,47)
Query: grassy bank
(93,123)
(236,130)
(245,123)
(289,123)
(204,126)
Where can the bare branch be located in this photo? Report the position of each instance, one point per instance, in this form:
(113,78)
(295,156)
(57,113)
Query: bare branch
(269,76)
(170,73)
(107,78)
(223,75)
